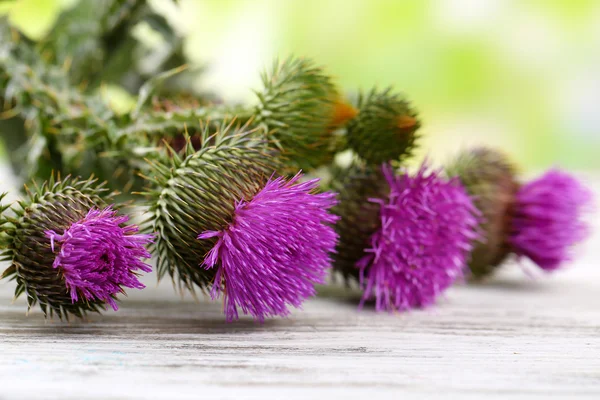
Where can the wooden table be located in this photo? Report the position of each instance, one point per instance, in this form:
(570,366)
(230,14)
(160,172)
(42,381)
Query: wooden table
(515,337)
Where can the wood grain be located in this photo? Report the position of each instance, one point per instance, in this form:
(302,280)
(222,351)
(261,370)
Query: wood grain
(514,337)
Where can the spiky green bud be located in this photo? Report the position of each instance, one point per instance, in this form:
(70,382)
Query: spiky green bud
(489,177)
(384,129)
(297,111)
(196,191)
(54,206)
(359,218)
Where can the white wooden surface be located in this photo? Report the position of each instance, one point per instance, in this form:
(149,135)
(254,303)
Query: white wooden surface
(515,337)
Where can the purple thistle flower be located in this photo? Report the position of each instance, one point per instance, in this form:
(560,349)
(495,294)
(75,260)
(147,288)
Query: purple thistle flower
(428,225)
(98,256)
(275,249)
(548,219)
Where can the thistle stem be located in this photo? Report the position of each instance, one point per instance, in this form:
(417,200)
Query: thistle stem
(167,123)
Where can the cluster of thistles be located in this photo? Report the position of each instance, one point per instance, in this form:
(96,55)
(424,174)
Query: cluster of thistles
(230,212)
(541,220)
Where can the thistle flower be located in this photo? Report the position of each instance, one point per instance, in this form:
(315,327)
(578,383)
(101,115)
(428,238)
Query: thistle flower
(65,253)
(275,249)
(99,255)
(489,177)
(222,223)
(384,129)
(426,226)
(548,219)
(541,220)
(297,108)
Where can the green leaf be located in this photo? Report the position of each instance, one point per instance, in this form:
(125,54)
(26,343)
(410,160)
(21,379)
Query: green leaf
(152,85)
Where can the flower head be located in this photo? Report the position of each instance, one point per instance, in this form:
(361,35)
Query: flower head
(65,254)
(297,107)
(427,228)
(98,256)
(196,191)
(385,128)
(276,248)
(547,219)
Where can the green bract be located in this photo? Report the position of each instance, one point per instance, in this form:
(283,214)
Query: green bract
(489,178)
(359,218)
(296,109)
(384,129)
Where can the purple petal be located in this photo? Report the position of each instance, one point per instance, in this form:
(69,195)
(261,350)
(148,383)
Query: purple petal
(97,256)
(275,250)
(428,225)
(548,219)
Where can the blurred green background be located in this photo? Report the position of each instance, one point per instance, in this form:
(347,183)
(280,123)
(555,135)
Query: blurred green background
(523,74)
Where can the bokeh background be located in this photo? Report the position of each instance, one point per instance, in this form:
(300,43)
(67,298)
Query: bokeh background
(522,74)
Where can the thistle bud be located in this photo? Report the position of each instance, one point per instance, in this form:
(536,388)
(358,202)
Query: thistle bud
(299,109)
(227,226)
(489,178)
(69,251)
(384,129)
(418,231)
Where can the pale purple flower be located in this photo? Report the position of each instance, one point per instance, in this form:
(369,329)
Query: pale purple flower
(428,225)
(277,247)
(98,255)
(548,219)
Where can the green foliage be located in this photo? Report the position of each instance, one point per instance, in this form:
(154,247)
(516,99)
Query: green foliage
(95,40)
(55,115)
(74,132)
(87,35)
(53,206)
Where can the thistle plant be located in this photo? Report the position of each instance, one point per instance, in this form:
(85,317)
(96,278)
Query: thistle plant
(403,237)
(541,220)
(385,128)
(233,213)
(227,224)
(68,249)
